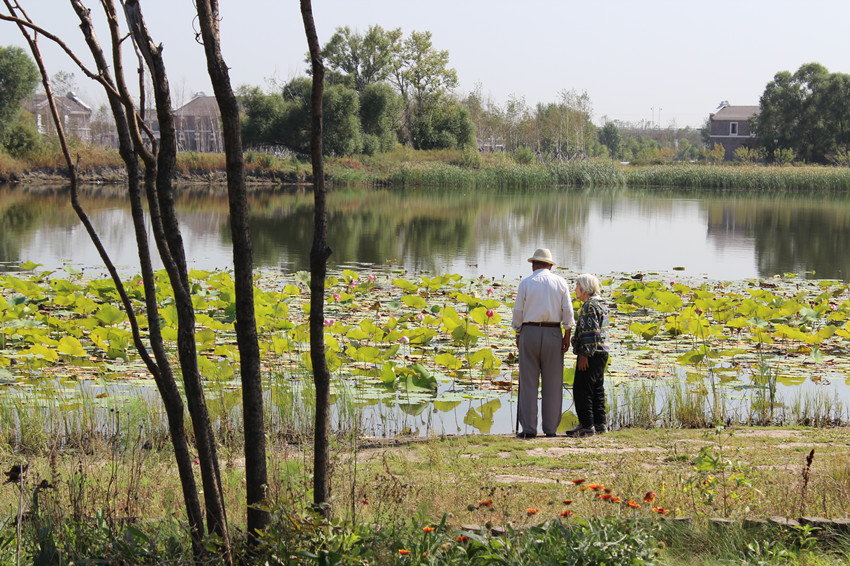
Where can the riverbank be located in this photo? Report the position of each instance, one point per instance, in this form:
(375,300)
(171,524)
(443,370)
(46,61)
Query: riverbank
(405,168)
(662,496)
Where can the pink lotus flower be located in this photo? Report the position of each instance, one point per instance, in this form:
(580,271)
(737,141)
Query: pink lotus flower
(490,313)
(329,322)
(490,291)
(420,317)
(336,297)
(404,339)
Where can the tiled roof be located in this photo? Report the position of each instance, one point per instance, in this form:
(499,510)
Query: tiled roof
(736,112)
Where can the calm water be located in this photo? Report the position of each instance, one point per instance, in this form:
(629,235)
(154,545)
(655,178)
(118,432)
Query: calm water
(720,235)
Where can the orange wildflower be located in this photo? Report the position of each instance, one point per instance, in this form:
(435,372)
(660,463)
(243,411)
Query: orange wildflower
(428,529)
(633,504)
(616,500)
(532,511)
(579,481)
(596,486)
(567,502)
(567,513)
(403,551)
(649,497)
(605,496)
(462,538)
(486,502)
(661,510)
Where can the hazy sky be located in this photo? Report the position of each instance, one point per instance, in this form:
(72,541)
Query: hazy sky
(665,61)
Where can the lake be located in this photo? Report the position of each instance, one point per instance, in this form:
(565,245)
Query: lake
(696,235)
(485,232)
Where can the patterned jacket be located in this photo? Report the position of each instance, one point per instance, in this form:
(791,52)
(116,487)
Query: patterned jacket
(591,332)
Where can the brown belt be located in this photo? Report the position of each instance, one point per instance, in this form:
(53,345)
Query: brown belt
(546,324)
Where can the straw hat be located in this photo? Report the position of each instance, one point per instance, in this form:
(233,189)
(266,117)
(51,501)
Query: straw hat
(542,255)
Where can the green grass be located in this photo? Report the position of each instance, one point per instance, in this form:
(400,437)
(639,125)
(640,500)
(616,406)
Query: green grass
(745,177)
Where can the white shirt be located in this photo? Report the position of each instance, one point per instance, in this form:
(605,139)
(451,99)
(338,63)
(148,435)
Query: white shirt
(543,297)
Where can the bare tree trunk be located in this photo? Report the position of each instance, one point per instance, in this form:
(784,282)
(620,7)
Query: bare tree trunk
(160,369)
(170,243)
(319,254)
(246,324)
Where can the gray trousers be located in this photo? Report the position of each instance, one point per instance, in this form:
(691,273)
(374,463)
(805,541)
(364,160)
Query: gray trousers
(540,355)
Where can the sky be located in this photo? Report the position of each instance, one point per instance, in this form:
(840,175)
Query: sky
(666,62)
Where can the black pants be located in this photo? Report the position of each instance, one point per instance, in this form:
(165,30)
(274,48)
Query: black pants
(589,391)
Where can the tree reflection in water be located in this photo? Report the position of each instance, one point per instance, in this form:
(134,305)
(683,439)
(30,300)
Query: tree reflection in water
(472,232)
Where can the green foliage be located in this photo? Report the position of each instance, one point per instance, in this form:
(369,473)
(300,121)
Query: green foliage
(525,156)
(609,136)
(806,112)
(716,154)
(18,78)
(22,137)
(745,177)
(342,134)
(380,116)
(360,60)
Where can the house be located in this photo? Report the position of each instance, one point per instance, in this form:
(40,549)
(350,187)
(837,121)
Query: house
(198,125)
(730,126)
(75,114)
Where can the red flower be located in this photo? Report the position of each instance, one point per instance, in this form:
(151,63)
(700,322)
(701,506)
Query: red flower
(486,503)
(567,502)
(403,551)
(579,481)
(633,504)
(428,529)
(649,497)
(605,496)
(532,511)
(661,510)
(596,487)
(616,500)
(567,513)
(462,538)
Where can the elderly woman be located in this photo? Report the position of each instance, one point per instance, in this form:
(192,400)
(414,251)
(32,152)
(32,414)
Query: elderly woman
(590,345)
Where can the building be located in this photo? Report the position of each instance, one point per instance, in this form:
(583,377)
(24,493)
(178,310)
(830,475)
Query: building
(198,125)
(75,115)
(730,126)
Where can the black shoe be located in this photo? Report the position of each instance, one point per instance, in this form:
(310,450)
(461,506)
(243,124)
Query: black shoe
(581,431)
(526,435)
(600,428)
(551,435)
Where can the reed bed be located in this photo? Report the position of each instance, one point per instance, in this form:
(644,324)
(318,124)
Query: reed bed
(500,175)
(744,177)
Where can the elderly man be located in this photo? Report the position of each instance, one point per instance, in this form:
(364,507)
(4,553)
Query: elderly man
(543,303)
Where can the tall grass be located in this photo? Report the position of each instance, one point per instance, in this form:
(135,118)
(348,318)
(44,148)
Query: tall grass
(749,177)
(10,167)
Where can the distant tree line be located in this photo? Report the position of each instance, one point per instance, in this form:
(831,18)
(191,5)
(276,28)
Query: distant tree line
(805,115)
(382,89)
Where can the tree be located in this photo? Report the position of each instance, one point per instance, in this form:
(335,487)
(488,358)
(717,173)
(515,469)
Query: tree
(609,136)
(319,254)
(421,75)
(343,134)
(360,60)
(380,114)
(18,78)
(807,112)
(256,478)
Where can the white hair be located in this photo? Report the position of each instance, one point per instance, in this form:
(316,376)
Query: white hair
(589,284)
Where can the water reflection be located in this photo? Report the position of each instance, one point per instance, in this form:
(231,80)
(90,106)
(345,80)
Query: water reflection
(722,235)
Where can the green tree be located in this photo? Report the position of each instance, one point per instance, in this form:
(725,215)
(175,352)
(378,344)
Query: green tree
(360,60)
(380,117)
(807,112)
(341,121)
(18,78)
(609,136)
(422,76)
